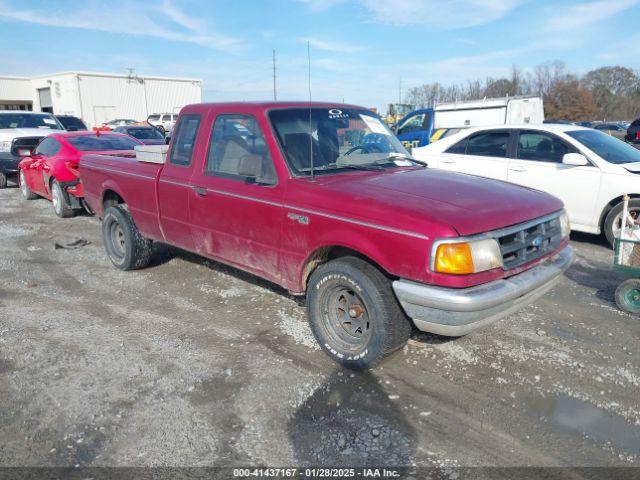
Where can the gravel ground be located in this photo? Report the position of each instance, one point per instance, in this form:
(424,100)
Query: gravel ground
(188,362)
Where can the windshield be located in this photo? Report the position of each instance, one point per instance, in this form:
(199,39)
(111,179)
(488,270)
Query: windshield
(29,120)
(336,139)
(90,143)
(145,133)
(72,123)
(609,148)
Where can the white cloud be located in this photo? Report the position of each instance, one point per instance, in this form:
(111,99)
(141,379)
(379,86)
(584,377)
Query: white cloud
(585,14)
(441,14)
(320,5)
(333,46)
(129,19)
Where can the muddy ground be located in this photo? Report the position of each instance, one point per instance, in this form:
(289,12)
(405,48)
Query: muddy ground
(188,362)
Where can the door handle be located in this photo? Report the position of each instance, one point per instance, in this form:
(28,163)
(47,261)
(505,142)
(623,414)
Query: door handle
(201,192)
(517,169)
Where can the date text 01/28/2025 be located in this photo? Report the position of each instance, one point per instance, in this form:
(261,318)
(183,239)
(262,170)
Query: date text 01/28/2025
(315,473)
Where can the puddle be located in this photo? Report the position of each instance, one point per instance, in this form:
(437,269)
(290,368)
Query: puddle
(575,415)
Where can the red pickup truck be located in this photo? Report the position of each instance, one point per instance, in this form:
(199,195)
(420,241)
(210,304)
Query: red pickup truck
(323,200)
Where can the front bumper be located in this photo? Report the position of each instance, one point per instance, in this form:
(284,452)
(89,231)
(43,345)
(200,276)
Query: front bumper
(9,163)
(455,312)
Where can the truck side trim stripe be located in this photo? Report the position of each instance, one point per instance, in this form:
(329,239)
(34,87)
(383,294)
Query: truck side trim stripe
(311,212)
(131,174)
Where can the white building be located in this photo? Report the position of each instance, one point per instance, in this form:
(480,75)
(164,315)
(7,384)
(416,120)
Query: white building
(99,97)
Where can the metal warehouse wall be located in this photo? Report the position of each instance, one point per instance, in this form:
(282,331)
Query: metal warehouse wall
(15,89)
(105,98)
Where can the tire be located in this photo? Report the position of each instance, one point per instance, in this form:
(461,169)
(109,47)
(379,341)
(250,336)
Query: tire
(628,296)
(59,199)
(3,180)
(27,194)
(354,314)
(611,219)
(126,247)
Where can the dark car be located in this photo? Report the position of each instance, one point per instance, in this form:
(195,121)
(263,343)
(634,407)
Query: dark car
(633,132)
(147,135)
(613,129)
(71,123)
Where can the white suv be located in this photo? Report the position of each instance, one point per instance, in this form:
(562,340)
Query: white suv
(163,121)
(588,170)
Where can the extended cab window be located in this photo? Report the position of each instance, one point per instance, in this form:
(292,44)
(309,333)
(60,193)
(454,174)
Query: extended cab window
(542,147)
(48,147)
(185,139)
(238,149)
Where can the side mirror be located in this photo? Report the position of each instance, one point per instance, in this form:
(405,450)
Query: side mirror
(575,159)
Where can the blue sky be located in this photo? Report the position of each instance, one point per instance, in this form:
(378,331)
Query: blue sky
(359,48)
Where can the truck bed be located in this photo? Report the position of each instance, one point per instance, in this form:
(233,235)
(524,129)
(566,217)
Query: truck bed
(134,181)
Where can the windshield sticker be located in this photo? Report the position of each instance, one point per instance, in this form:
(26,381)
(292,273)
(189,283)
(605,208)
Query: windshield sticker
(49,121)
(374,125)
(337,113)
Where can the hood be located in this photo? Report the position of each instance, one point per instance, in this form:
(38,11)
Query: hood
(11,133)
(632,167)
(421,198)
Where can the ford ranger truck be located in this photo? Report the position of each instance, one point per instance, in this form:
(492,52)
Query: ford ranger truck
(20,132)
(324,200)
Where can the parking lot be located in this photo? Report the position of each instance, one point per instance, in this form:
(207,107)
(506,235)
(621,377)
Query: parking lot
(192,363)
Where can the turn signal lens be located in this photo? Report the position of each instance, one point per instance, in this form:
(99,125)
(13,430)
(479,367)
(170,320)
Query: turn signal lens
(454,258)
(463,258)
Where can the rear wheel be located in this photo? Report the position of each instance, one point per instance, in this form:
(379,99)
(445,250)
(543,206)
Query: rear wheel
(613,221)
(3,180)
(354,314)
(126,247)
(60,204)
(628,296)
(27,194)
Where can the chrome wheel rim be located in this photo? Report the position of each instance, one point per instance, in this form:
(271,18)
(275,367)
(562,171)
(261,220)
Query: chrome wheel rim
(55,197)
(23,184)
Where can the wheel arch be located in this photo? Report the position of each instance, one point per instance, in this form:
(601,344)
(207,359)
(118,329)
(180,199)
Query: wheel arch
(609,206)
(327,253)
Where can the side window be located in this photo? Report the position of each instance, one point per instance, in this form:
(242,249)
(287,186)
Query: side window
(185,139)
(238,149)
(412,124)
(542,147)
(488,144)
(460,147)
(47,147)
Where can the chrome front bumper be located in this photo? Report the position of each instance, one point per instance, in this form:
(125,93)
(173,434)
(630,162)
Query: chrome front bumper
(458,311)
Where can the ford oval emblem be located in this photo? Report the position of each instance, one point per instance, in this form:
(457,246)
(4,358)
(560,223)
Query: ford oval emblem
(537,242)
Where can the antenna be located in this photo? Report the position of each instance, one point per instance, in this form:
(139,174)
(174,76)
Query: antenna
(275,96)
(310,131)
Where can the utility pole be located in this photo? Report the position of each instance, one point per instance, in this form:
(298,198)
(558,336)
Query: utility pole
(275,96)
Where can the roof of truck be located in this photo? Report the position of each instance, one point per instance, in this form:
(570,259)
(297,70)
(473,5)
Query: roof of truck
(267,105)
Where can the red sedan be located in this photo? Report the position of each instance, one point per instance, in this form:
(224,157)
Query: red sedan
(52,169)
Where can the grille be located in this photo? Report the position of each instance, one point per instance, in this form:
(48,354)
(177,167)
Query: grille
(24,142)
(527,242)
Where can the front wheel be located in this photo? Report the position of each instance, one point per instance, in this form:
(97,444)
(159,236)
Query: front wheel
(354,314)
(27,194)
(3,180)
(628,296)
(60,204)
(613,221)
(126,247)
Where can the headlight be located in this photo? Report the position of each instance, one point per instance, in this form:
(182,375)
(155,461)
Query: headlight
(463,258)
(565,225)
(5,146)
